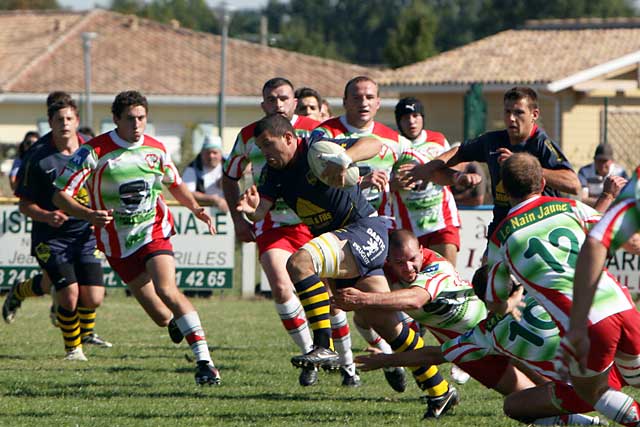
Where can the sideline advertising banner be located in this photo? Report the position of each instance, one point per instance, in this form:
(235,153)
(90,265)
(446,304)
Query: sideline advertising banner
(202,261)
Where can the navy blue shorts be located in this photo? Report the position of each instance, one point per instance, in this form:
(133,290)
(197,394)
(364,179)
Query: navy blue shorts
(70,260)
(369,241)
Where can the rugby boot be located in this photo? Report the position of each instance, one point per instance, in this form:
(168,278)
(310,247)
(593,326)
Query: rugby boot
(318,357)
(308,376)
(349,380)
(438,406)
(94,339)
(174,332)
(11,305)
(207,374)
(396,379)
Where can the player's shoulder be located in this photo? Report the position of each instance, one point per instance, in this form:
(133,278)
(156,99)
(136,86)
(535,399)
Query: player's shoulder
(435,136)
(246,133)
(332,127)
(384,131)
(150,141)
(305,123)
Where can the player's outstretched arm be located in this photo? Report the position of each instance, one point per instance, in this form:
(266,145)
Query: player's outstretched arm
(439,171)
(364,149)
(182,194)
(398,300)
(98,218)
(564,180)
(243,228)
(588,271)
(430,355)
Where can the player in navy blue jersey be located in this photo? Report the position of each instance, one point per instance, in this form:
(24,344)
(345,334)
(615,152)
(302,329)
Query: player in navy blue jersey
(64,246)
(521,134)
(350,244)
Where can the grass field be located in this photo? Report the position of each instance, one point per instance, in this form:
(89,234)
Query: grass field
(145,380)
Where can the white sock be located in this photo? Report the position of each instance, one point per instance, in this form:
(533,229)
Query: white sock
(619,407)
(295,322)
(374,339)
(342,341)
(191,328)
(565,420)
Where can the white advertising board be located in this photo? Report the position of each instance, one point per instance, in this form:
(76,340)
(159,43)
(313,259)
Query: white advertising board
(202,261)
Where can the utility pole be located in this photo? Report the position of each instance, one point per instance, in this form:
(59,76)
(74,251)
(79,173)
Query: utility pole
(86,49)
(224,14)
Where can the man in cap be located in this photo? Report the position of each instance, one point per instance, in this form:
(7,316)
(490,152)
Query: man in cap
(203,175)
(592,176)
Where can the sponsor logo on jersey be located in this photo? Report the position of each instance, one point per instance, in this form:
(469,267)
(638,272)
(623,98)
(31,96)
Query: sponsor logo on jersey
(80,156)
(431,268)
(152,160)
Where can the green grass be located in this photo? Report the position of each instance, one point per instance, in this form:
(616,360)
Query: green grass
(145,380)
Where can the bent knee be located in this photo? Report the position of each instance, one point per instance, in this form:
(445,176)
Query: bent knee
(300,265)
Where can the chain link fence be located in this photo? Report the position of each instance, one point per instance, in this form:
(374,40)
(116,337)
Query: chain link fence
(623,133)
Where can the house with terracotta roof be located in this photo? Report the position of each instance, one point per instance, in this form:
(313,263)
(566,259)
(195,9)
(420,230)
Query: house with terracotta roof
(176,68)
(586,72)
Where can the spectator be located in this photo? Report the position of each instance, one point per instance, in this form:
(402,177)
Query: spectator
(203,175)
(87,131)
(592,175)
(29,139)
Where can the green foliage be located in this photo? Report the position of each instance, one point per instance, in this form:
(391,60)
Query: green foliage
(28,4)
(193,14)
(391,32)
(413,38)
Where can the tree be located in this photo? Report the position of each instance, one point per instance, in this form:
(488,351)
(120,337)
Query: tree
(28,4)
(412,39)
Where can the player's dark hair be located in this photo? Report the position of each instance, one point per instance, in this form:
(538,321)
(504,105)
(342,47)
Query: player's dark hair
(61,103)
(27,143)
(399,238)
(479,281)
(56,96)
(126,99)
(519,92)
(356,80)
(274,83)
(521,175)
(275,124)
(306,92)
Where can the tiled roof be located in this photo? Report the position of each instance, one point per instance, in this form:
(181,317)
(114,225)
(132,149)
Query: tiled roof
(42,51)
(540,53)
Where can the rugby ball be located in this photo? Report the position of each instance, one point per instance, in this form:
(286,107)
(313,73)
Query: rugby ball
(317,164)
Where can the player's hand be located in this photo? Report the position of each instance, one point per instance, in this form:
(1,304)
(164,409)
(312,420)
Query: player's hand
(612,185)
(503,154)
(400,181)
(467,180)
(371,362)
(378,179)
(334,174)
(55,219)
(349,299)
(249,201)
(515,303)
(202,215)
(100,218)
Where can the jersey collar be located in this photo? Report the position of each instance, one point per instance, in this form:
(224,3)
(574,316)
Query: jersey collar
(125,144)
(355,130)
